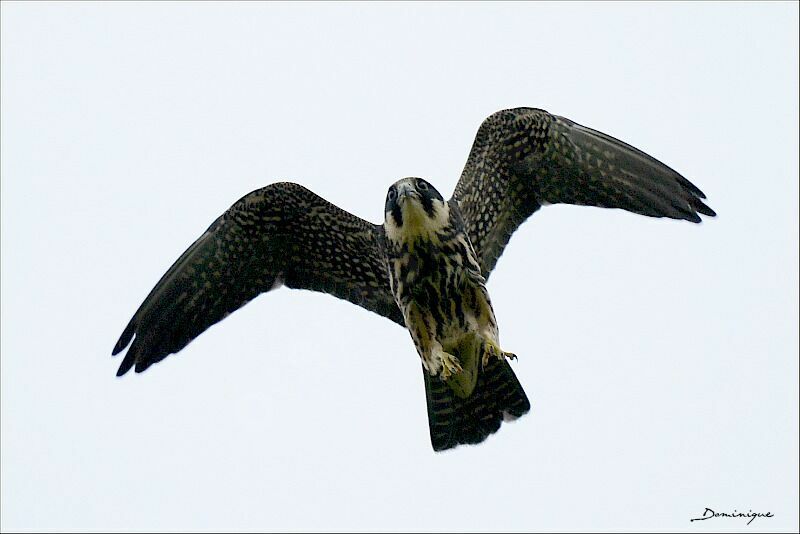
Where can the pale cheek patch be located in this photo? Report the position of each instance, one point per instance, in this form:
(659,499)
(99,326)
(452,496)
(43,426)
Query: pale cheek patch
(441,214)
(393,231)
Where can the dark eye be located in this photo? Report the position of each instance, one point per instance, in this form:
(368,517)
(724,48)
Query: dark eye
(392,194)
(422,185)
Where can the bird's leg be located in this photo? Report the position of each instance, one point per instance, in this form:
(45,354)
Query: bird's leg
(488,328)
(435,359)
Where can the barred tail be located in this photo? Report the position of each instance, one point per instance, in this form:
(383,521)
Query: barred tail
(454,421)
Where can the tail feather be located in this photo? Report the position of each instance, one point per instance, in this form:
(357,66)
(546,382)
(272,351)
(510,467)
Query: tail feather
(453,421)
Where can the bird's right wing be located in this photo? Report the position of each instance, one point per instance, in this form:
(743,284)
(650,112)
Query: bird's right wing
(525,158)
(280,234)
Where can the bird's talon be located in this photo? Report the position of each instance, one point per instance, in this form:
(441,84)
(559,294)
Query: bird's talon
(490,350)
(450,366)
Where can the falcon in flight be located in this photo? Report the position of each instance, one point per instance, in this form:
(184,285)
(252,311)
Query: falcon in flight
(425,267)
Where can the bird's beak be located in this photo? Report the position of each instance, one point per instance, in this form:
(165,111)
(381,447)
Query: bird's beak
(406,190)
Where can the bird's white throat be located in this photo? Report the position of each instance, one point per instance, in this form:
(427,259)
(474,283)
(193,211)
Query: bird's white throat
(417,223)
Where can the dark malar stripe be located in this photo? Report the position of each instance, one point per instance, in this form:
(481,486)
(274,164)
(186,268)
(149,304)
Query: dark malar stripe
(427,205)
(397,214)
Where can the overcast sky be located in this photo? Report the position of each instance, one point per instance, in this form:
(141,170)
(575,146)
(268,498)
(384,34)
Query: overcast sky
(660,357)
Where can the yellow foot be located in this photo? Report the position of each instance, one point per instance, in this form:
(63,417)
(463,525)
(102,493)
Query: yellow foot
(450,365)
(492,350)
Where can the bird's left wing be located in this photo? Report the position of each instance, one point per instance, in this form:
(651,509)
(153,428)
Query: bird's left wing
(525,158)
(280,234)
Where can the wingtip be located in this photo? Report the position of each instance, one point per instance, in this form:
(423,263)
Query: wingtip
(126,364)
(705,210)
(124,339)
(693,217)
(134,360)
(693,189)
(700,207)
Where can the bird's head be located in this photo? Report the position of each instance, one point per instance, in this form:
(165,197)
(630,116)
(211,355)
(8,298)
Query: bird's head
(414,208)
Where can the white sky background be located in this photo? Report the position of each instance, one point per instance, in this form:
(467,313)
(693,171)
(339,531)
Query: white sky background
(661,357)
